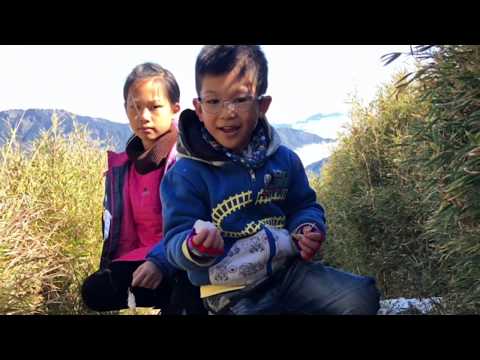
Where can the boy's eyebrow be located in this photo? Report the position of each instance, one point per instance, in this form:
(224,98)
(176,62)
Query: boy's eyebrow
(236,92)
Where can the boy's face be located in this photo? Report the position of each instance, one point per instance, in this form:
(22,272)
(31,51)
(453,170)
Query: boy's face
(232,123)
(149,110)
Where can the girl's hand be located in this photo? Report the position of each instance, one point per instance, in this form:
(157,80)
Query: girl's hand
(147,275)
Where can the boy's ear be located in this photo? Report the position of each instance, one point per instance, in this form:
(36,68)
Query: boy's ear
(198,109)
(264,105)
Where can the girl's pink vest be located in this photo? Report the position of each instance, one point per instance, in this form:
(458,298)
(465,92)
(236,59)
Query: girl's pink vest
(129,236)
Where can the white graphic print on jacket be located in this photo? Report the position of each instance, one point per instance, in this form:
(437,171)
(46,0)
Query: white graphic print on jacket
(253,258)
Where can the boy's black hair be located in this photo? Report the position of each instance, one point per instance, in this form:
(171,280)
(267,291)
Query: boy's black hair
(221,59)
(150,70)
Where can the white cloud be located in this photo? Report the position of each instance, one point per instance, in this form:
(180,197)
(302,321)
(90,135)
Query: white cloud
(314,152)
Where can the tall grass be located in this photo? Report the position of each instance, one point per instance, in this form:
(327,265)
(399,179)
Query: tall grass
(371,195)
(402,189)
(450,140)
(50,209)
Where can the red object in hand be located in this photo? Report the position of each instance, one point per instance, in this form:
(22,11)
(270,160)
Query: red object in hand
(200,250)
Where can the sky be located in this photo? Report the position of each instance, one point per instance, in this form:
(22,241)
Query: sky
(88,79)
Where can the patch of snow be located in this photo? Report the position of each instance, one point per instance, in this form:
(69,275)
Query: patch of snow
(397,306)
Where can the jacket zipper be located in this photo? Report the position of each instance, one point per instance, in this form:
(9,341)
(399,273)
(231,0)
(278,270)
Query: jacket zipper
(109,240)
(252,174)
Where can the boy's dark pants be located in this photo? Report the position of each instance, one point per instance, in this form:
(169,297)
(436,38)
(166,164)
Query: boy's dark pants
(302,287)
(107,290)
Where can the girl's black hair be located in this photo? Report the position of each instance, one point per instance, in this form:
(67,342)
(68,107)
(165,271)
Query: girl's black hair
(149,70)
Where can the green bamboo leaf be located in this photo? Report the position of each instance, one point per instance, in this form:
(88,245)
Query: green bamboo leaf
(390,57)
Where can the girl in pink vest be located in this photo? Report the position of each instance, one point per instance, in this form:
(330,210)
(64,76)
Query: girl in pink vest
(132,219)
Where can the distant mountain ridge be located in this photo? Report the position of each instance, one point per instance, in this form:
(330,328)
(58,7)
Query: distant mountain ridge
(311,120)
(321,116)
(294,138)
(34,121)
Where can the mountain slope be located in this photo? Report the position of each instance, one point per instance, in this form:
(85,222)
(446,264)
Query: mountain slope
(34,121)
(316,167)
(294,138)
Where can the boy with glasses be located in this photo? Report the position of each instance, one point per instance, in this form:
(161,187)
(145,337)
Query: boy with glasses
(239,214)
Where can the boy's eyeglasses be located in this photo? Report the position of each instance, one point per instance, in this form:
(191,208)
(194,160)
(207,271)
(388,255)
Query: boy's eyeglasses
(240,104)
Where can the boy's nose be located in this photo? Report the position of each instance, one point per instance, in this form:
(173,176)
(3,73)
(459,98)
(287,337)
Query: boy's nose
(229,105)
(228,109)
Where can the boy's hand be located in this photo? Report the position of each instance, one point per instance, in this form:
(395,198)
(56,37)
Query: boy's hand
(309,241)
(207,242)
(147,275)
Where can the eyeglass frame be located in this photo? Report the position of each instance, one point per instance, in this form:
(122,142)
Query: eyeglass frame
(230,102)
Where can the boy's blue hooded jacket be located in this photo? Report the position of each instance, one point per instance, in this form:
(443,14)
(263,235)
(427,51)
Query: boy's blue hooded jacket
(256,210)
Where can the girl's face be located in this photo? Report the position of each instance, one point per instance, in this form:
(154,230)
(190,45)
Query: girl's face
(149,110)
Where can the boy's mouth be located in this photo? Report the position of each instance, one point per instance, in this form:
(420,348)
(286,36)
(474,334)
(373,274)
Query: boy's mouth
(229,129)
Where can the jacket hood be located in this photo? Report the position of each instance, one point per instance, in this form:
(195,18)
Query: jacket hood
(192,145)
